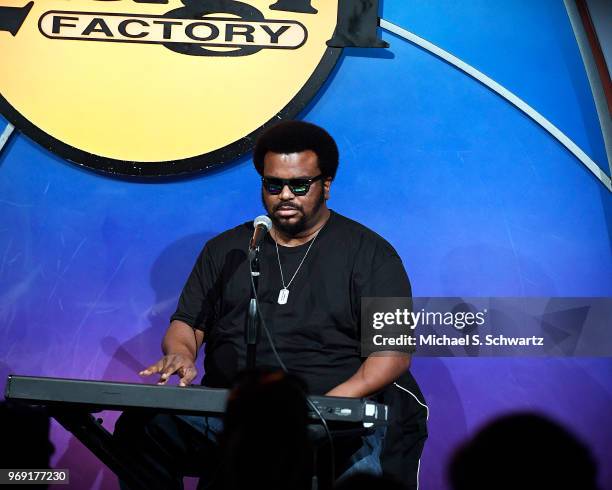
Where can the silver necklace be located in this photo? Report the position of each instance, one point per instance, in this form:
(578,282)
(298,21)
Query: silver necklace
(283,294)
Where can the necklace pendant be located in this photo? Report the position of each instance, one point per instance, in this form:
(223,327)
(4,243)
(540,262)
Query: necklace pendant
(283,295)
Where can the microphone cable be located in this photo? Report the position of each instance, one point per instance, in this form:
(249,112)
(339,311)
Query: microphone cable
(308,400)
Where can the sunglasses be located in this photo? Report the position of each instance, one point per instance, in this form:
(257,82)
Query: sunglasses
(298,187)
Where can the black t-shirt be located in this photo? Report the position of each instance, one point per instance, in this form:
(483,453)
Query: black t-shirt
(316,332)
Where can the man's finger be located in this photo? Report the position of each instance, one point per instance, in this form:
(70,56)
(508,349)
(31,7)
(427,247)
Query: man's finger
(169,370)
(188,375)
(152,369)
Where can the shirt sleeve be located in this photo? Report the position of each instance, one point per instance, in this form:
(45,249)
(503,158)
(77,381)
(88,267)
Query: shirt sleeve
(198,301)
(387,276)
(383,276)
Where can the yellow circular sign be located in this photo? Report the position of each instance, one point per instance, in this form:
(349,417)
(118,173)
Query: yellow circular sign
(159,87)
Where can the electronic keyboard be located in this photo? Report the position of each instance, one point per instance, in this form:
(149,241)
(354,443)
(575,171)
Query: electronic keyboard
(93,396)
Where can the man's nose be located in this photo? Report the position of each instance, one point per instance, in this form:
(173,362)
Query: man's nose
(286,193)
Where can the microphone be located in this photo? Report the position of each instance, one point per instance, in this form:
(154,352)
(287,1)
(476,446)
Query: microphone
(262,225)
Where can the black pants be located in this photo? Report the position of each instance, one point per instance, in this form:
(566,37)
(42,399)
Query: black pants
(169,447)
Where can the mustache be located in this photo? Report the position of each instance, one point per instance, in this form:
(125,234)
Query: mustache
(287,205)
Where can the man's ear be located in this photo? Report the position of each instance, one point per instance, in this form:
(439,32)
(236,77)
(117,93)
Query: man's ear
(326,187)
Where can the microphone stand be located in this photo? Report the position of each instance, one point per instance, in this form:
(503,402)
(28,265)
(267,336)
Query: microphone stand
(251,330)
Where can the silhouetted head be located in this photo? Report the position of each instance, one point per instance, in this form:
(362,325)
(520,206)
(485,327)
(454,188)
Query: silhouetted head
(523,451)
(265,441)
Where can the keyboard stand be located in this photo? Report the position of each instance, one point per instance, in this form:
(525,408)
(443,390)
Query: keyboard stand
(89,430)
(139,474)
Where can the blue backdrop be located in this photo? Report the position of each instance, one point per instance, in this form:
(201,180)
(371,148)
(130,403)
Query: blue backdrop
(477,199)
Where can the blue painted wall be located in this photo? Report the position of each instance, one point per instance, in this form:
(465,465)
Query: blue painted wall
(477,199)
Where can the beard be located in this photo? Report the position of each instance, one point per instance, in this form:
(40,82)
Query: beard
(296,227)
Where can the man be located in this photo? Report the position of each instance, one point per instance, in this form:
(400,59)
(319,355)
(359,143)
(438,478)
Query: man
(315,266)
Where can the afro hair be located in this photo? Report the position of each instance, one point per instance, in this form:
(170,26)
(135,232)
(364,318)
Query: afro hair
(294,137)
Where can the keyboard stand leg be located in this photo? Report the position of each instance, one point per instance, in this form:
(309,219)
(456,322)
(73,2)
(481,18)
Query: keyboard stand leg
(136,474)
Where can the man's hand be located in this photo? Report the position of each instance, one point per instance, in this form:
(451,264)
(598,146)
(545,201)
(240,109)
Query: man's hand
(376,372)
(180,346)
(179,364)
